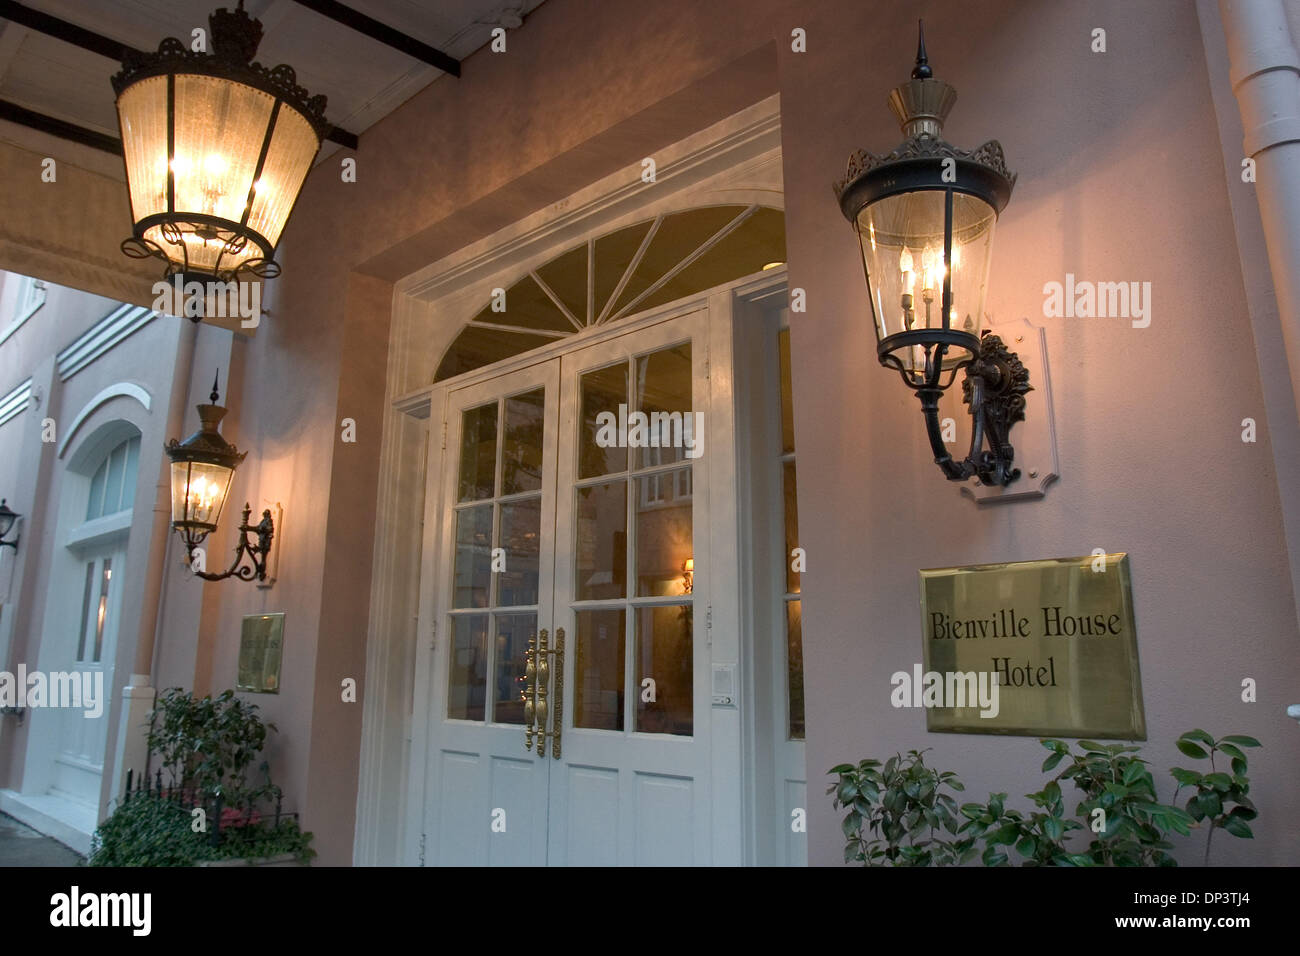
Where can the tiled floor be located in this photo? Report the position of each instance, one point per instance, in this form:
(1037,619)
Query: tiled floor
(22,846)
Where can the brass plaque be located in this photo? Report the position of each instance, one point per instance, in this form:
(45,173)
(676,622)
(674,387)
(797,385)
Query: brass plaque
(260,644)
(1058,636)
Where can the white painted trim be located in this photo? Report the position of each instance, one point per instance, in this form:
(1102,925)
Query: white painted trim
(100,530)
(34,291)
(734,162)
(120,390)
(101,337)
(16,402)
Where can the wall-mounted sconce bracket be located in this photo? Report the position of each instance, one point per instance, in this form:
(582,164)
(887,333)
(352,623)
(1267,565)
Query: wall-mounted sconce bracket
(1035,433)
(257,551)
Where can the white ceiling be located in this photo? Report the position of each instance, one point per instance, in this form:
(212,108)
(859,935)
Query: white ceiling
(363,79)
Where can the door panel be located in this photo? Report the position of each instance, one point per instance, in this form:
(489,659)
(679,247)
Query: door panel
(489,794)
(637,753)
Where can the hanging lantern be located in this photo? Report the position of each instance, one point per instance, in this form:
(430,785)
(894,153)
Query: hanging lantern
(217,148)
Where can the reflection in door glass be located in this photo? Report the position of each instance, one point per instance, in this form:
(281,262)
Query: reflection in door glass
(102,612)
(663,394)
(598,669)
(665,670)
(521,528)
(521,449)
(468,682)
(478,452)
(663,532)
(602,541)
(602,391)
(473,568)
(513,632)
(85,610)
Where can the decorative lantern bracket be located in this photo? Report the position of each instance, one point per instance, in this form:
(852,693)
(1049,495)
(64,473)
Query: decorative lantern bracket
(254,544)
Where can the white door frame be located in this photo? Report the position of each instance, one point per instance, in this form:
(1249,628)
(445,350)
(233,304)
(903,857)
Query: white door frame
(737,161)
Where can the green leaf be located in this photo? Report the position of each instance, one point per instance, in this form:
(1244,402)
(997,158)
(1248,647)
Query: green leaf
(1133,771)
(1186,778)
(1092,746)
(1242,740)
(1051,761)
(1238,827)
(1200,735)
(842,768)
(1219,781)
(1054,829)
(1191,750)
(1026,846)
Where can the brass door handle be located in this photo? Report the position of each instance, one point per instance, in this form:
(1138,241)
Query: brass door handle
(537,673)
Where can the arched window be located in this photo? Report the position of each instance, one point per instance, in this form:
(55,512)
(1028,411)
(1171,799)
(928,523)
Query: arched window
(617,275)
(112,488)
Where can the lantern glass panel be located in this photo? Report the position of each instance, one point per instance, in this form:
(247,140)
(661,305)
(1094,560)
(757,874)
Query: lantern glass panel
(293,147)
(142,112)
(902,249)
(199,492)
(6,523)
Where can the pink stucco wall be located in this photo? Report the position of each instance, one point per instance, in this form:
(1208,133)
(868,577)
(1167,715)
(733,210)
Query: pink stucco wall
(1121,178)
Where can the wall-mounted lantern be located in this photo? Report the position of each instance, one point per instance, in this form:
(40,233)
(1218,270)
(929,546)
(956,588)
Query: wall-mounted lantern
(688,575)
(925,215)
(216,148)
(7,519)
(202,466)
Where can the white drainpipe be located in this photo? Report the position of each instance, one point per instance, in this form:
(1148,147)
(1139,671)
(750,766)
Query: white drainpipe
(1265,77)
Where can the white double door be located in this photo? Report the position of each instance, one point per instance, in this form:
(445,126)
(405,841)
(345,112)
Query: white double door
(553,519)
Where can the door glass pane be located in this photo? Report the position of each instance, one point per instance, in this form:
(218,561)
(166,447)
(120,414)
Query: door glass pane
(101,612)
(602,541)
(787,403)
(521,528)
(473,557)
(598,669)
(664,670)
(132,467)
(478,452)
(521,451)
(513,631)
(791,527)
(663,396)
(85,611)
(601,449)
(663,532)
(466,697)
(794,666)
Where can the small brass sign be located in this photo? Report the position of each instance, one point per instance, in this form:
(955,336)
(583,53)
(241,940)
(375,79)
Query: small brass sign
(1058,636)
(260,644)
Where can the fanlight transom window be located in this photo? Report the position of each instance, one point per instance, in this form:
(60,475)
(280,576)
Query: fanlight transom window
(618,275)
(112,488)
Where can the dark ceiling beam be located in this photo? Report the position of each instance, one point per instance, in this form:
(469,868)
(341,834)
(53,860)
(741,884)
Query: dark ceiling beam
(355,20)
(57,127)
(63,30)
(106,47)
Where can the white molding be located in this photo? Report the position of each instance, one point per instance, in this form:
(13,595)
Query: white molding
(734,162)
(119,390)
(34,292)
(16,402)
(100,530)
(104,335)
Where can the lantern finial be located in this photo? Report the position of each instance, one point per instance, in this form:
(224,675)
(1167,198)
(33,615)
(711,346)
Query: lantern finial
(922,69)
(215,395)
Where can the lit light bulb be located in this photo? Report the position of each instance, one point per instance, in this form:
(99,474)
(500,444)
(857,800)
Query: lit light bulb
(927,269)
(905,266)
(215,164)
